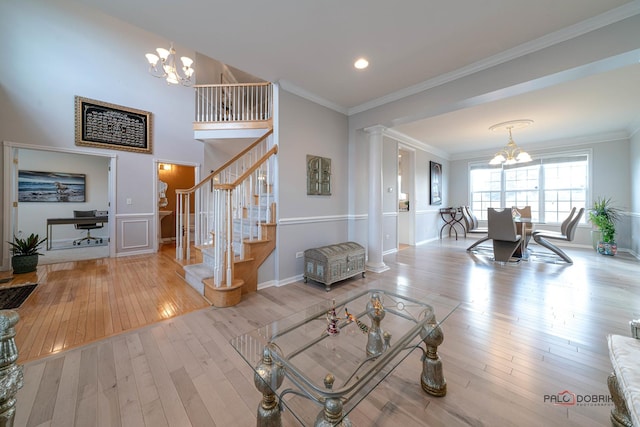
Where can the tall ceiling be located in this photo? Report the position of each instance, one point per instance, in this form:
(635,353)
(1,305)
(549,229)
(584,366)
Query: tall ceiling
(310,47)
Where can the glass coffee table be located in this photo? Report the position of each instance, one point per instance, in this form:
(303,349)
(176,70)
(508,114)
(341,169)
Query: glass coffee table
(321,362)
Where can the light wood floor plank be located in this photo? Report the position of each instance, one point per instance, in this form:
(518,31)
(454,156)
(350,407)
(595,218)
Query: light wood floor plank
(108,401)
(32,380)
(522,332)
(87,403)
(65,410)
(175,413)
(128,401)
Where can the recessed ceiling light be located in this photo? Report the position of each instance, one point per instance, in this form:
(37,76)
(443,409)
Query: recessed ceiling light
(361,64)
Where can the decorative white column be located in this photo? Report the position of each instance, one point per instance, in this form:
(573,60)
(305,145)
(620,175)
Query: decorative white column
(376,233)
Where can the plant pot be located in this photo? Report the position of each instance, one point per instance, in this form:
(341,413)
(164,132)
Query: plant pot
(24,263)
(607,248)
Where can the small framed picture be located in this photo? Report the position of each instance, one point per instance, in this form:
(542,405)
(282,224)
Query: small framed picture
(435,183)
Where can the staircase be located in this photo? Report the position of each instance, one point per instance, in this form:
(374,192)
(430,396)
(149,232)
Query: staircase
(228,218)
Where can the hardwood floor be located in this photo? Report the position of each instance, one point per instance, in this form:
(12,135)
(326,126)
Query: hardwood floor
(524,332)
(83,301)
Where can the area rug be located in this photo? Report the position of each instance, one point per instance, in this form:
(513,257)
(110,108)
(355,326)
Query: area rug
(14,297)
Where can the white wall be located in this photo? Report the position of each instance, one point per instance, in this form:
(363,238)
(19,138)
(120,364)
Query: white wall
(60,49)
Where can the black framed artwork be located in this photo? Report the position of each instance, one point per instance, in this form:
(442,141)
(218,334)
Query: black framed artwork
(435,183)
(104,125)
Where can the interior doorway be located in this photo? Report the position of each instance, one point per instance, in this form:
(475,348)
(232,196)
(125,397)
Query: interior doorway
(406,197)
(93,189)
(172,176)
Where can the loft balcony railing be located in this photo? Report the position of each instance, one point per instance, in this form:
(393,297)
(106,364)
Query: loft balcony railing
(233,103)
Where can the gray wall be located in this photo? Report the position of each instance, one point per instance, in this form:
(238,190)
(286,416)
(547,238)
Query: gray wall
(610,177)
(488,85)
(634,160)
(62,49)
(307,221)
(427,220)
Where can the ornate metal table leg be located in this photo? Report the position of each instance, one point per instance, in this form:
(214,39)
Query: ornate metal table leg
(331,415)
(11,376)
(269,376)
(620,413)
(432,379)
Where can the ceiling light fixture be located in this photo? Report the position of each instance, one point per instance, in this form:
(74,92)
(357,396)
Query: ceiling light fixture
(361,64)
(511,154)
(163,65)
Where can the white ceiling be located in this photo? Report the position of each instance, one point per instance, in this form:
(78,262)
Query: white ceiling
(309,47)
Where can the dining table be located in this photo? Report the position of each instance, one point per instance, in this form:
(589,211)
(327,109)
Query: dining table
(521,229)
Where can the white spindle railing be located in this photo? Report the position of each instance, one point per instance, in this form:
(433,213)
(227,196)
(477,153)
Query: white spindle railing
(230,203)
(234,102)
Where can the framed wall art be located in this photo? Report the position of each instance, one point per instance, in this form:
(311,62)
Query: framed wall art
(35,186)
(103,125)
(435,183)
(318,176)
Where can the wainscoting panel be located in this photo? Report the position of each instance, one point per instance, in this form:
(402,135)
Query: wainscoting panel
(134,233)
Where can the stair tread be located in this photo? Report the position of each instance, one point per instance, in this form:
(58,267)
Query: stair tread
(198,270)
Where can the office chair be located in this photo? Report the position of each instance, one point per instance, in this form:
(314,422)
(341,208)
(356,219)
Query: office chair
(88,227)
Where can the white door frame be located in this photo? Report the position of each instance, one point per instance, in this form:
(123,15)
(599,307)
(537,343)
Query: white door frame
(411,180)
(156,176)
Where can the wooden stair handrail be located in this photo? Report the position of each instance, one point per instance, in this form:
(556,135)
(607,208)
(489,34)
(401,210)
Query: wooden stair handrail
(227,164)
(245,175)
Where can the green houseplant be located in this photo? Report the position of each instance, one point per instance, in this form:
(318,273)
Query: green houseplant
(603,215)
(25,253)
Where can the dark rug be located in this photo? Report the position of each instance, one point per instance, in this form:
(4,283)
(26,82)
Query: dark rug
(14,297)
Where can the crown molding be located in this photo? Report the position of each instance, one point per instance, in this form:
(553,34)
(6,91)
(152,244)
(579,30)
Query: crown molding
(297,90)
(551,144)
(414,143)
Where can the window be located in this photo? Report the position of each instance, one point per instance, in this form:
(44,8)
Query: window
(550,185)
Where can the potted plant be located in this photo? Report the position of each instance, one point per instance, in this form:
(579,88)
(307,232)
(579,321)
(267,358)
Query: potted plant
(604,216)
(25,253)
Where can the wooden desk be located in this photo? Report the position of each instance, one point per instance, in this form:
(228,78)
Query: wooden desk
(80,220)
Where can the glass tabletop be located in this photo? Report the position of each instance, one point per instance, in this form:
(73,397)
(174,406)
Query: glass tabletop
(340,349)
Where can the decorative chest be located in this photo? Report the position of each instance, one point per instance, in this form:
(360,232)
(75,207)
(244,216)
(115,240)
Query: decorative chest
(329,264)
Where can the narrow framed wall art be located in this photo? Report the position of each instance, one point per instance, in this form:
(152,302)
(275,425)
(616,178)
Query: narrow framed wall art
(435,183)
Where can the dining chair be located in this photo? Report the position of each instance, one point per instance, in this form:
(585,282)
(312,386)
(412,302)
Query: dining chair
(566,233)
(565,223)
(502,230)
(471,223)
